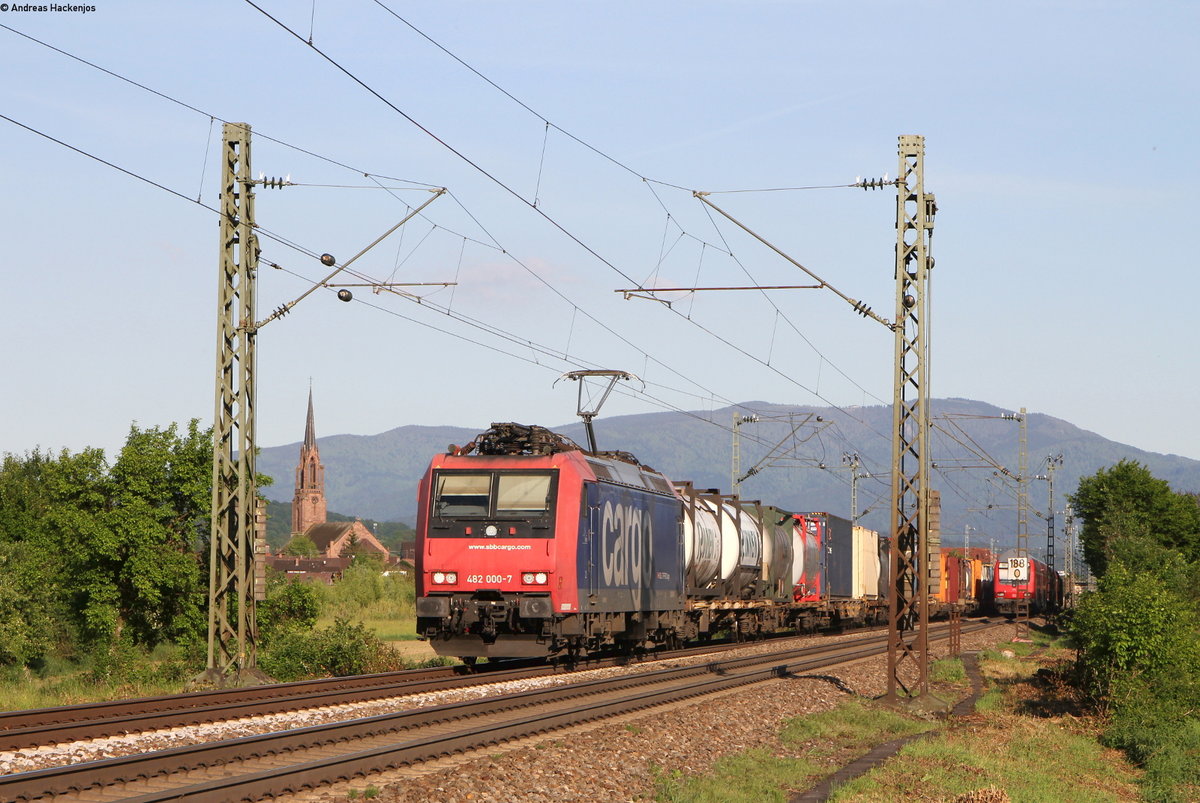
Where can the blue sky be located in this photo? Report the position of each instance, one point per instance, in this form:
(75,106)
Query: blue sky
(1060,143)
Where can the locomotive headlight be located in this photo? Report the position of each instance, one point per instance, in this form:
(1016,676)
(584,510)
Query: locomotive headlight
(439,578)
(535,578)
(540,578)
(527,578)
(491,531)
(451,577)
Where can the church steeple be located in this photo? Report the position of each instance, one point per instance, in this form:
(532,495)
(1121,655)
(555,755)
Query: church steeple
(310,428)
(308,505)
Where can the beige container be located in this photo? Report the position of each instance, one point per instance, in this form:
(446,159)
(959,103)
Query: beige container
(866,563)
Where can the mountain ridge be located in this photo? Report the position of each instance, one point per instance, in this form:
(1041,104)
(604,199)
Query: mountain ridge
(375,476)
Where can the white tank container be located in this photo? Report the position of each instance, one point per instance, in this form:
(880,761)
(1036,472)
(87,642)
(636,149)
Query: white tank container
(798,551)
(741,547)
(702,543)
(777,549)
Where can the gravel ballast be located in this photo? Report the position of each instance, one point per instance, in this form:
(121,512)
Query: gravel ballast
(620,759)
(615,760)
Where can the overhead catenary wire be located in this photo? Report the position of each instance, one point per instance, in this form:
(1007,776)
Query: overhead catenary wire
(863,309)
(646,179)
(267,233)
(312,253)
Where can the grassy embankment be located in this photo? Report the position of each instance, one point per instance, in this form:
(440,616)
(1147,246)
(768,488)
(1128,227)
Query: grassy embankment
(1027,741)
(382,604)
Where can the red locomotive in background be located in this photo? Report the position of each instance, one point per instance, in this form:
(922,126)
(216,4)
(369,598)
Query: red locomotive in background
(1020,579)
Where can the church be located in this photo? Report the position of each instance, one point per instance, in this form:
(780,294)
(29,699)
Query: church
(333,539)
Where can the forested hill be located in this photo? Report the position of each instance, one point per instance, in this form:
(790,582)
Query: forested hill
(376,476)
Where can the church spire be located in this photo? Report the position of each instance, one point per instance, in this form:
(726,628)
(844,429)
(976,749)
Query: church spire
(310,429)
(308,504)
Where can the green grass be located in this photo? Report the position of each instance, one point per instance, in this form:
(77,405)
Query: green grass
(753,776)
(386,628)
(1020,649)
(1033,760)
(853,726)
(851,729)
(948,670)
(135,673)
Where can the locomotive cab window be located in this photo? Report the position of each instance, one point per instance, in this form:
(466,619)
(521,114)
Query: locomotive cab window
(466,502)
(463,495)
(523,495)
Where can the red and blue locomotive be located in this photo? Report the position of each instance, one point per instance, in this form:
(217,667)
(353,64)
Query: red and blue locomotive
(531,547)
(528,545)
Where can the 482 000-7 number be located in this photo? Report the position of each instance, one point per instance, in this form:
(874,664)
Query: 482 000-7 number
(489,578)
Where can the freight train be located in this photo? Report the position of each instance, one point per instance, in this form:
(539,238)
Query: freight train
(530,546)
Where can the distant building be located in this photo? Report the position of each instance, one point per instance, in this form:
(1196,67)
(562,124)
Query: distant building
(333,539)
(313,570)
(308,504)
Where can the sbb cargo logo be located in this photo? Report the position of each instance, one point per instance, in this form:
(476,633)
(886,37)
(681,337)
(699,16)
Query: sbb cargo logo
(626,536)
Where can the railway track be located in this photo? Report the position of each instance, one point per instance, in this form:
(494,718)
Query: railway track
(46,726)
(279,763)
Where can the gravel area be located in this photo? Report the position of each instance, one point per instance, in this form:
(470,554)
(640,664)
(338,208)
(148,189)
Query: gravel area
(612,761)
(618,760)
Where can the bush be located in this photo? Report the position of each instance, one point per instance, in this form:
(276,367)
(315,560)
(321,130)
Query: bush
(290,605)
(1139,658)
(340,649)
(1134,625)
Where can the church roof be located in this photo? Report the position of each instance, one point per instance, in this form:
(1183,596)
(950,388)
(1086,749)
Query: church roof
(322,535)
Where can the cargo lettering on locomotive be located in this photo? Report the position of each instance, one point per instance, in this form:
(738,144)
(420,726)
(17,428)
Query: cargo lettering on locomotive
(627,544)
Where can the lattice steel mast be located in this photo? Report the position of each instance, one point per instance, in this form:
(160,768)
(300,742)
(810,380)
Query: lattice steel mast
(1053,463)
(1023,561)
(908,641)
(233,590)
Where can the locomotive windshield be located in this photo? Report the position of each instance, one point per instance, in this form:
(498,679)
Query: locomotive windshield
(524,498)
(463,494)
(523,495)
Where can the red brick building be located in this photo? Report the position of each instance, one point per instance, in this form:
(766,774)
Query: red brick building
(333,539)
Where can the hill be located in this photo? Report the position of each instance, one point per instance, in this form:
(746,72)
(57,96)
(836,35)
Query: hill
(376,476)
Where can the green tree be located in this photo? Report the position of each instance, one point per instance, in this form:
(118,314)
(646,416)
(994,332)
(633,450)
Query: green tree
(301,546)
(291,605)
(135,556)
(1127,501)
(27,608)
(108,554)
